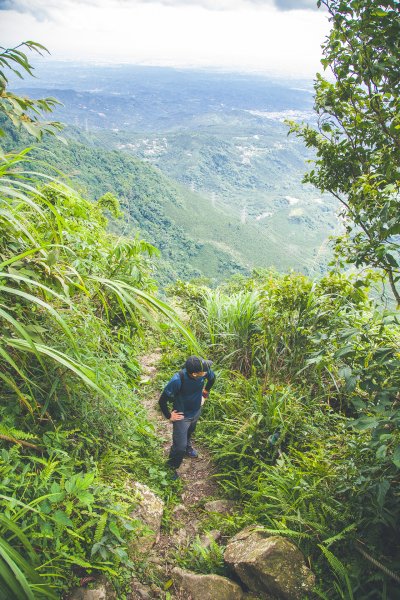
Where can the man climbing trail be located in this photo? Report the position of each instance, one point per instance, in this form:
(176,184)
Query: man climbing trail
(187,392)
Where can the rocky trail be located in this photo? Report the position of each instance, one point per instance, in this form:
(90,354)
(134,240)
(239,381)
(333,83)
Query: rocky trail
(196,474)
(259,565)
(200,492)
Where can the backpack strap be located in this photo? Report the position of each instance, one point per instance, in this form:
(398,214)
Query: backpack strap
(181,377)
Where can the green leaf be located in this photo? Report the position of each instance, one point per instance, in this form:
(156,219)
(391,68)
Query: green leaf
(396,456)
(85,497)
(62,519)
(381,451)
(383,488)
(345,351)
(365,423)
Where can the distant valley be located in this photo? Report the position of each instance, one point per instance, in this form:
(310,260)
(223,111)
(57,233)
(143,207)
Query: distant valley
(221,144)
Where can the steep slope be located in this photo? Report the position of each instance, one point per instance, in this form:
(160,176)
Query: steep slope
(150,203)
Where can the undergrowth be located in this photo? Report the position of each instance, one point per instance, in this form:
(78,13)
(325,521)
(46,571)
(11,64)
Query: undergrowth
(303,421)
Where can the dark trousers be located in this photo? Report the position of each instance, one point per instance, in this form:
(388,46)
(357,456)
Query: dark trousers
(181,436)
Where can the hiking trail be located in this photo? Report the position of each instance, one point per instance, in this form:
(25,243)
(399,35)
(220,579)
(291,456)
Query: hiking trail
(199,486)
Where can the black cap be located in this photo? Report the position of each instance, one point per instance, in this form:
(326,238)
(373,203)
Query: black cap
(194,364)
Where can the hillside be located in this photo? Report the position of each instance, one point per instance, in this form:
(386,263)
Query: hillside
(150,202)
(196,237)
(222,141)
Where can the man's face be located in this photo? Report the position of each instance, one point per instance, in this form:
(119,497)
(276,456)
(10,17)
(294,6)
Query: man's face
(198,374)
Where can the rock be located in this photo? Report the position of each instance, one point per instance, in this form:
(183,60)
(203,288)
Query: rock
(206,587)
(269,564)
(155,559)
(100,592)
(156,589)
(179,511)
(220,506)
(149,511)
(208,538)
(143,592)
(84,594)
(180,538)
(186,467)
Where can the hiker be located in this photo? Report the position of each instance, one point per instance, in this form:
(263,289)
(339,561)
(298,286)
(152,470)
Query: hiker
(187,392)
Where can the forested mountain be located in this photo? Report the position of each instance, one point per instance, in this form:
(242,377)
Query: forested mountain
(222,138)
(150,203)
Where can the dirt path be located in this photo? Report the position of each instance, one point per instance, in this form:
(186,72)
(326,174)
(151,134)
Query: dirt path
(198,486)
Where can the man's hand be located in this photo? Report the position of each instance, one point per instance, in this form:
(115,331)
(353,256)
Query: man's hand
(176,416)
(204,397)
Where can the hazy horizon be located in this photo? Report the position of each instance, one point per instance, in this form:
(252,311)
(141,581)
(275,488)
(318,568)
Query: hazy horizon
(256,36)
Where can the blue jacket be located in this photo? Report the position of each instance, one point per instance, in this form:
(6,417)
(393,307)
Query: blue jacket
(187,395)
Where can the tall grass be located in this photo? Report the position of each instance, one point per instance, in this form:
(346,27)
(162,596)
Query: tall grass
(230,323)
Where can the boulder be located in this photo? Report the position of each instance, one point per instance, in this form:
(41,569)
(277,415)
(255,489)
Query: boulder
(84,594)
(220,506)
(206,587)
(149,511)
(102,590)
(269,564)
(179,511)
(180,538)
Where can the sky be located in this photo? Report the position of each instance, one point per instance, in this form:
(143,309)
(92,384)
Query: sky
(277,37)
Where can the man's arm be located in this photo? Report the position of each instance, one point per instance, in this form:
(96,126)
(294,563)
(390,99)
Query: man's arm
(163,402)
(210,380)
(168,395)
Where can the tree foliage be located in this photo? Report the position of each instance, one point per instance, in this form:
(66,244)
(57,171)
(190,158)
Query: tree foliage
(23,111)
(357,141)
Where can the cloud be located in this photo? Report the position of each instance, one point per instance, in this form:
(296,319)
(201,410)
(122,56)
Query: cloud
(232,4)
(43,8)
(295,4)
(244,35)
(39,9)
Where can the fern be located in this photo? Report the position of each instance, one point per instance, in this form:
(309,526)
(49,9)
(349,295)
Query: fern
(340,536)
(16,434)
(340,572)
(288,532)
(87,525)
(100,527)
(69,507)
(48,471)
